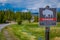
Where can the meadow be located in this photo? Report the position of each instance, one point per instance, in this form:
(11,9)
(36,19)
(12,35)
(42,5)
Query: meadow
(32,31)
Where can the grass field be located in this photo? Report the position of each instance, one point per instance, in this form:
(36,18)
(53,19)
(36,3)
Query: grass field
(31,31)
(1,36)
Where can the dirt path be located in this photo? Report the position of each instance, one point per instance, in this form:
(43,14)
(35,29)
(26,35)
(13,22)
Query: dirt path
(9,35)
(2,26)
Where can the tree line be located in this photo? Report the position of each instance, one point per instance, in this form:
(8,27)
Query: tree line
(58,16)
(18,16)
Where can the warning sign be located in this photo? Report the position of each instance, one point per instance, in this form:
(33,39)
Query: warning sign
(47,16)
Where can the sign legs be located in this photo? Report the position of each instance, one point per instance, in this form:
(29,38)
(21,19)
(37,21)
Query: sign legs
(47,30)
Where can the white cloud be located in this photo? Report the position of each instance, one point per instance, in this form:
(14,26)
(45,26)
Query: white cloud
(24,10)
(14,1)
(54,1)
(3,1)
(35,5)
(32,4)
(58,5)
(42,4)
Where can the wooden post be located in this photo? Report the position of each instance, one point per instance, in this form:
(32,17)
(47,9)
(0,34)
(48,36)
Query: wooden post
(47,31)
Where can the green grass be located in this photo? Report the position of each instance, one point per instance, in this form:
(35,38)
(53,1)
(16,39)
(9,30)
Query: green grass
(32,31)
(1,36)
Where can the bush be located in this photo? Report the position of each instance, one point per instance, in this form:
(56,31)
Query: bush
(19,22)
(35,18)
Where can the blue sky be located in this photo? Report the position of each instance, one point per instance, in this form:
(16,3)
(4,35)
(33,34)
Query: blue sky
(25,5)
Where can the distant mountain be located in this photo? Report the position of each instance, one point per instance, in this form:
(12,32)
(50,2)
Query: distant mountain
(58,9)
(6,6)
(36,13)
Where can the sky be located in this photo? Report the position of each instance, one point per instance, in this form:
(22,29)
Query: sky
(31,5)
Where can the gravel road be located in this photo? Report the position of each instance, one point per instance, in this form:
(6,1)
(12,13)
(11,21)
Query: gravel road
(2,26)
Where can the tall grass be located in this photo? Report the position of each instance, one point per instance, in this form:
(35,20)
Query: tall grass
(32,31)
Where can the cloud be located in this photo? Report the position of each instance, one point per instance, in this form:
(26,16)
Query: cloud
(14,1)
(58,5)
(43,3)
(17,3)
(3,1)
(24,10)
(33,5)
